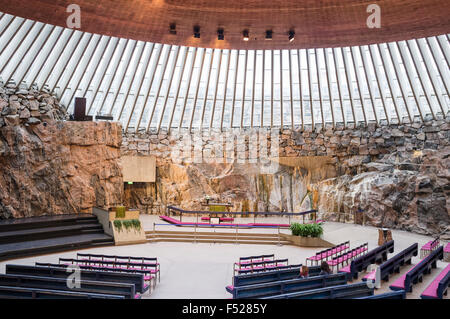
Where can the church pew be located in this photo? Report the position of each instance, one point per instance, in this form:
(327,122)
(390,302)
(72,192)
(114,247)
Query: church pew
(61,272)
(416,273)
(349,291)
(438,287)
(151,262)
(393,264)
(288,286)
(373,256)
(60,284)
(269,276)
(399,294)
(7,292)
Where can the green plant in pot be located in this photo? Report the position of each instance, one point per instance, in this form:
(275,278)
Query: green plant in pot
(306,230)
(118,225)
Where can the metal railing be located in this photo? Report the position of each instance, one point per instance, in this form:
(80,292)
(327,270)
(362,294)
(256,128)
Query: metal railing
(173,209)
(236,227)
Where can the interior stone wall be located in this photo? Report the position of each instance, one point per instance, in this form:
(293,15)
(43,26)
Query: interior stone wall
(397,175)
(50,166)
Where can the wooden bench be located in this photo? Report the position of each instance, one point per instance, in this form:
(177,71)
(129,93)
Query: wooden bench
(61,272)
(86,286)
(7,292)
(148,262)
(416,273)
(347,256)
(147,276)
(328,253)
(287,286)
(261,265)
(119,265)
(349,291)
(375,255)
(399,294)
(269,276)
(426,249)
(251,259)
(250,271)
(438,287)
(393,264)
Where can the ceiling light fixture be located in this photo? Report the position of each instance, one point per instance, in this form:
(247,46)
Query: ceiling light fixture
(173,28)
(291,35)
(220,35)
(196,32)
(269,35)
(245,35)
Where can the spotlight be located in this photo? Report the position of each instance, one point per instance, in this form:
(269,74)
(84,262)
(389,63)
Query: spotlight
(245,35)
(269,35)
(220,35)
(173,28)
(196,32)
(291,35)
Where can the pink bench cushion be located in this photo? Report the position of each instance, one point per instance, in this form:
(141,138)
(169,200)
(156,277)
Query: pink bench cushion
(431,290)
(345,269)
(447,248)
(315,257)
(400,282)
(430,245)
(370,276)
(137,296)
(333,251)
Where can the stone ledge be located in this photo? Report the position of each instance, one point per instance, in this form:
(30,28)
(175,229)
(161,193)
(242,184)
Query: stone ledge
(307,241)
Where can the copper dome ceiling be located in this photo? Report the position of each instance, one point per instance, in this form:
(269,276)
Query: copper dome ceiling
(328,23)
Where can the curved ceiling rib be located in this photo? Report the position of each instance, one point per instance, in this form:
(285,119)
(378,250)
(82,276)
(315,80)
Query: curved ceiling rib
(153,87)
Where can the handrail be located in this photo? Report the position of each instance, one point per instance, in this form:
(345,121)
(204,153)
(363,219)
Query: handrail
(182,211)
(218,225)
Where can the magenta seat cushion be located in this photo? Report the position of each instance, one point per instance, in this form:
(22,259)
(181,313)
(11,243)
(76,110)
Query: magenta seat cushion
(370,275)
(345,269)
(431,290)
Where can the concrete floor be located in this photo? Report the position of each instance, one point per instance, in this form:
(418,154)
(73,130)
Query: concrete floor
(192,271)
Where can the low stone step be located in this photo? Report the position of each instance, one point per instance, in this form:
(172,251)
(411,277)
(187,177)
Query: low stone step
(149,233)
(221,241)
(213,236)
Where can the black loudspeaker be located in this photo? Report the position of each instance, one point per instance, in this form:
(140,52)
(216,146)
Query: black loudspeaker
(80,109)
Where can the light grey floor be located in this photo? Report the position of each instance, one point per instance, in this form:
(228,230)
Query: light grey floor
(191,271)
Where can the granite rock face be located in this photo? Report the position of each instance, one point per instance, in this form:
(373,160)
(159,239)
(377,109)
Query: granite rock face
(399,191)
(397,174)
(49,166)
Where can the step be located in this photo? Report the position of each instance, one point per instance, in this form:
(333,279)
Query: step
(212,236)
(45,221)
(210,233)
(221,241)
(47,232)
(29,248)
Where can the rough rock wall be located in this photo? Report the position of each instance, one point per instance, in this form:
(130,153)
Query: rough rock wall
(397,175)
(54,167)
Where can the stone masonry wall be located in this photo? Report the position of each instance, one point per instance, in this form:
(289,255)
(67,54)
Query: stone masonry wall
(49,166)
